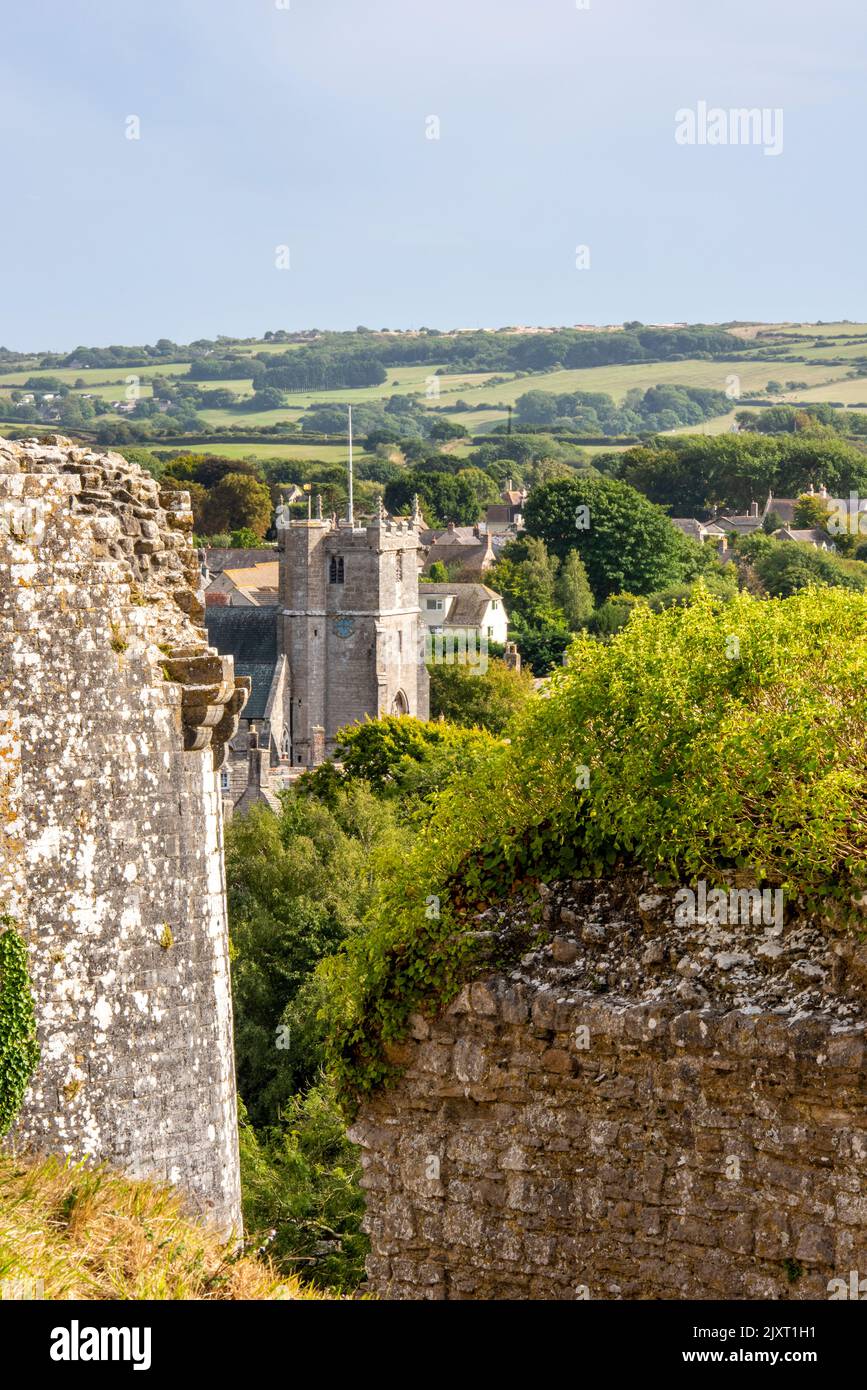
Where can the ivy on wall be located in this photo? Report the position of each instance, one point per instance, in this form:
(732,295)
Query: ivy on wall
(19,1050)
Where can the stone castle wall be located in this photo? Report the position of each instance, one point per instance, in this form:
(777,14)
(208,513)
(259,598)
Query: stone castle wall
(637,1110)
(113,713)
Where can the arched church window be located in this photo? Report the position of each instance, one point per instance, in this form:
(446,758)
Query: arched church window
(335,570)
(400,704)
(285,748)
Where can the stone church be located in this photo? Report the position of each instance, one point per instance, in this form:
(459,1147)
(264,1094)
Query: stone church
(344,641)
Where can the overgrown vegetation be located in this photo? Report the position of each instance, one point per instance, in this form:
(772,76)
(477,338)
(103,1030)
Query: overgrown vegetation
(19,1050)
(87,1233)
(702,738)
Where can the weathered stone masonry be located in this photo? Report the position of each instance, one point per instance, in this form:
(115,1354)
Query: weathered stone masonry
(113,714)
(636,1110)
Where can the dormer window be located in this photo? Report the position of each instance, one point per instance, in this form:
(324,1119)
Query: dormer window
(335,570)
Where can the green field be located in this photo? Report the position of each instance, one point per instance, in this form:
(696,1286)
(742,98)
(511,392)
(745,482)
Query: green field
(323,453)
(825,382)
(852,391)
(619,379)
(94,376)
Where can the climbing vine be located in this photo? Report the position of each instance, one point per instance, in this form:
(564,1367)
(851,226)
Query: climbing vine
(19,1050)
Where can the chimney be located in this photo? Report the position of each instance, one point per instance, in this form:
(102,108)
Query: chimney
(754,509)
(511,656)
(258,788)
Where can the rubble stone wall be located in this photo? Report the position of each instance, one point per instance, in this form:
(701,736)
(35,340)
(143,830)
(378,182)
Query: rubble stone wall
(637,1110)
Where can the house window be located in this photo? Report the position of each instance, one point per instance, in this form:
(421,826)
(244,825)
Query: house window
(494,604)
(434,605)
(224,781)
(490,632)
(335,570)
(398,566)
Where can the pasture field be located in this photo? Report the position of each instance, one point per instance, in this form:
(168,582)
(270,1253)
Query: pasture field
(616,380)
(852,391)
(321,453)
(94,376)
(787,330)
(826,381)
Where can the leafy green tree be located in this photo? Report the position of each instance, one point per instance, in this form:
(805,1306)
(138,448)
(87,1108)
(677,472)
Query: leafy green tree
(238,501)
(266,398)
(444,497)
(526,576)
(811,512)
(447,429)
(786,566)
(399,756)
(625,541)
(487,699)
(300,1181)
(297,884)
(573,592)
(244,539)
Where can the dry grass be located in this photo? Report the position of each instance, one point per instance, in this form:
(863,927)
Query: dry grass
(88,1233)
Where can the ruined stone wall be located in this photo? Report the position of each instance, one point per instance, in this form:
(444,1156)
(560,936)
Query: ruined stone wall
(113,714)
(637,1110)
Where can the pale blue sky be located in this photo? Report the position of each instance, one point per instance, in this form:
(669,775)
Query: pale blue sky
(263,126)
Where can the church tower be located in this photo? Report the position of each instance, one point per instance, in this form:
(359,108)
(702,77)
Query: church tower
(349,625)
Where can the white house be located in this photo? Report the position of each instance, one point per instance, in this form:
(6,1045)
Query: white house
(471,612)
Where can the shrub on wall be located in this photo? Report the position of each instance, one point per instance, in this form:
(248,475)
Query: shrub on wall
(701,739)
(19,1050)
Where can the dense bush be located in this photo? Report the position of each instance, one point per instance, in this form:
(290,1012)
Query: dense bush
(487,699)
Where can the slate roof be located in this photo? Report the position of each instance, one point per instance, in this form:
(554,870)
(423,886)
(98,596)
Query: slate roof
(813,535)
(697,530)
(219,558)
(470,602)
(250,636)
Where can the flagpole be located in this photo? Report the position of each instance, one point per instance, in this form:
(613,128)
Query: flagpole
(350,511)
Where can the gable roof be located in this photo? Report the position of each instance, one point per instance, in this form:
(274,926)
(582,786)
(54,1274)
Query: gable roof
(814,535)
(255,578)
(470,602)
(250,636)
(697,530)
(222,558)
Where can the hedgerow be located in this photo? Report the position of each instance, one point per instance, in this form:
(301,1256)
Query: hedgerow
(699,740)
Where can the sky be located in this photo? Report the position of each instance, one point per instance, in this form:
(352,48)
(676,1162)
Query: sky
(400,163)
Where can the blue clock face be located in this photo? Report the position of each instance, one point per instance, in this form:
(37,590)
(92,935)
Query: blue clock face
(344,627)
